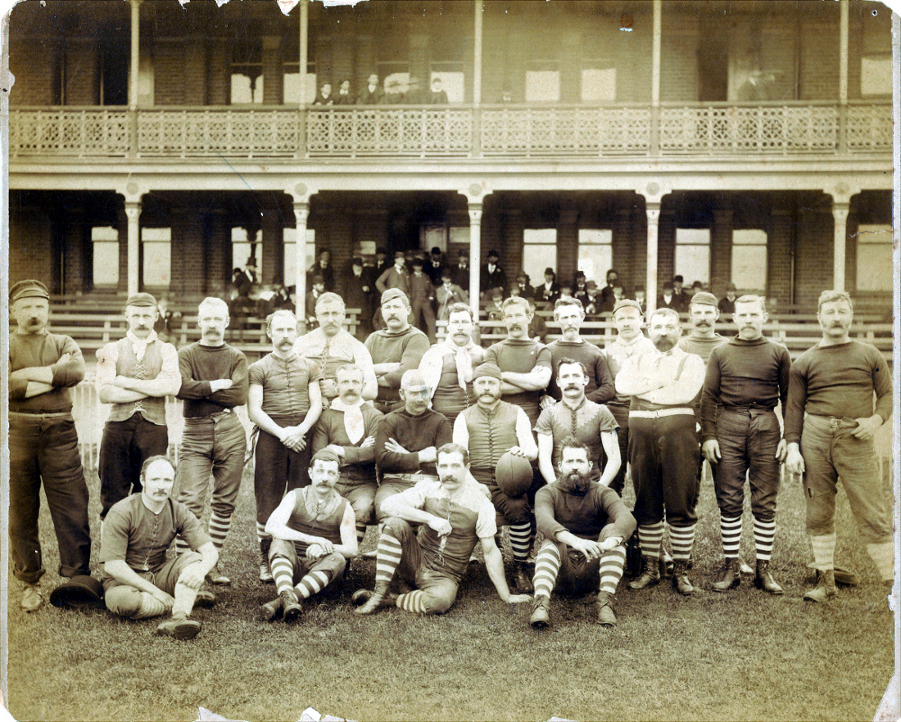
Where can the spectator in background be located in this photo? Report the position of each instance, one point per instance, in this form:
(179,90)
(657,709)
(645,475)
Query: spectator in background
(492,275)
(537,325)
(344,95)
(726,305)
(265,302)
(617,295)
(435,266)
(439,96)
(696,287)
(281,298)
(592,302)
(579,289)
(381,263)
(415,94)
(496,310)
(244,279)
(372,93)
(565,292)
(357,291)
(607,290)
(394,94)
(324,96)
(165,321)
(641,299)
(668,298)
(461,271)
(549,292)
(318,288)
(681,296)
(523,286)
(422,293)
(395,277)
(448,293)
(323,267)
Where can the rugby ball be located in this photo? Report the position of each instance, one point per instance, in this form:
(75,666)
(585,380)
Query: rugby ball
(513,474)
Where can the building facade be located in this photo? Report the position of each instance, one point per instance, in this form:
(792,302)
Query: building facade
(157,146)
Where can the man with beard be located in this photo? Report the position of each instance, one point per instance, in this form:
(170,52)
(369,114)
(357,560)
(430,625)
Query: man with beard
(213,383)
(406,441)
(348,430)
(489,429)
(135,375)
(585,526)
(575,416)
(830,423)
(454,514)
(525,363)
(747,377)
(284,401)
(663,447)
(395,349)
(312,538)
(570,315)
(138,581)
(448,367)
(331,346)
(43,444)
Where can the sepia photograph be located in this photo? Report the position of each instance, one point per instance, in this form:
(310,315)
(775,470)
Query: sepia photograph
(449,360)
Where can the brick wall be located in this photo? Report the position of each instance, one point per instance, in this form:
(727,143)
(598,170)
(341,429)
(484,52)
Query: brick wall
(30,244)
(273,248)
(813,256)
(567,244)
(81,72)
(780,239)
(511,243)
(666,248)
(217,252)
(678,58)
(818,72)
(169,66)
(218,77)
(33,80)
(194,78)
(720,250)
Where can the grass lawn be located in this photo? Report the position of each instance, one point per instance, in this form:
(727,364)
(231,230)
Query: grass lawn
(743,655)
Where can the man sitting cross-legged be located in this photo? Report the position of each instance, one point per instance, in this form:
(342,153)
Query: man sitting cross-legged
(454,512)
(585,526)
(138,580)
(312,538)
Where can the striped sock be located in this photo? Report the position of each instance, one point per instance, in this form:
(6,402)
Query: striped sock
(682,538)
(312,583)
(613,561)
(388,554)
(282,572)
(218,529)
(520,541)
(547,565)
(150,607)
(823,551)
(883,556)
(361,531)
(412,602)
(650,537)
(181,546)
(764,531)
(730,529)
(261,532)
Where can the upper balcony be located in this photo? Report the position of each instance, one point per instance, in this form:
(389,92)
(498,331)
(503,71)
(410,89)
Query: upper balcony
(710,131)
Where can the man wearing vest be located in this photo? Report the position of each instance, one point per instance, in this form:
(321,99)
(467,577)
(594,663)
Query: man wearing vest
(134,374)
(663,447)
(489,429)
(448,366)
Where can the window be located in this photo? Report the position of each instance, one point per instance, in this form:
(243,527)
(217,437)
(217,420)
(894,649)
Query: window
(290,242)
(106,256)
(542,82)
(692,259)
(539,252)
(595,253)
(874,258)
(598,82)
(749,260)
(157,262)
(247,72)
(244,247)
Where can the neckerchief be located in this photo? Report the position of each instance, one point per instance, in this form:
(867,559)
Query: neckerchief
(139,346)
(353,418)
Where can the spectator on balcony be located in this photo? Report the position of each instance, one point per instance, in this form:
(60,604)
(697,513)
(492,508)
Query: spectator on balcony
(372,93)
(435,266)
(607,290)
(324,96)
(345,97)
(522,286)
(492,275)
(549,292)
(727,302)
(439,95)
(681,295)
(394,94)
(422,294)
(461,271)
(395,277)
(506,96)
(415,94)
(165,321)
(316,290)
(323,267)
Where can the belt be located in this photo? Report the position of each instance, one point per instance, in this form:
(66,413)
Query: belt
(837,423)
(658,413)
(51,414)
(215,415)
(748,408)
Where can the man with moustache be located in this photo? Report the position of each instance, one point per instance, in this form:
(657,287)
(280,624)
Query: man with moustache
(830,423)
(395,277)
(331,345)
(489,429)
(284,401)
(454,514)
(702,314)
(213,383)
(585,526)
(348,430)
(312,538)
(663,447)
(525,363)
(43,444)
(395,350)
(138,581)
(575,416)
(135,375)
(406,440)
(747,377)
(447,367)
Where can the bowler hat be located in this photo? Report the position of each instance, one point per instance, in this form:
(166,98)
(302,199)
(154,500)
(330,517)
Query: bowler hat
(77,593)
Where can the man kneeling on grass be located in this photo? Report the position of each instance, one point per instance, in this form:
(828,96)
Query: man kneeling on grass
(585,526)
(313,535)
(454,512)
(138,580)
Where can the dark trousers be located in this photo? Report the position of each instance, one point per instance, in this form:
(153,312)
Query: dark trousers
(622,438)
(277,470)
(664,455)
(124,448)
(44,448)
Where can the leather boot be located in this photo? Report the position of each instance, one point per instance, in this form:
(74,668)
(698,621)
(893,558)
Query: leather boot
(265,571)
(666,567)
(729,576)
(681,582)
(521,578)
(606,617)
(540,612)
(271,611)
(372,601)
(764,580)
(290,605)
(825,588)
(649,577)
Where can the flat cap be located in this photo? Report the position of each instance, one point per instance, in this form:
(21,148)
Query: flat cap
(487,369)
(393,293)
(704,298)
(28,289)
(626,303)
(140,299)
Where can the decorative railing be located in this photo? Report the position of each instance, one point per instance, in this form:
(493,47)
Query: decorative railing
(497,131)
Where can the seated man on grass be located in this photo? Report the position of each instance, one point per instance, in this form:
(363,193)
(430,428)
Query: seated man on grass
(313,535)
(454,512)
(138,580)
